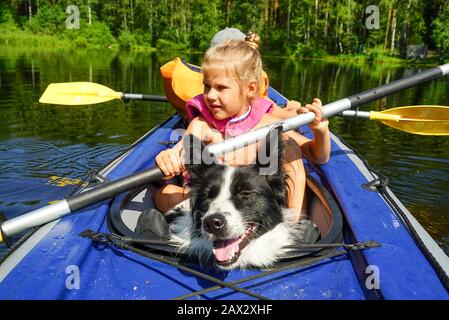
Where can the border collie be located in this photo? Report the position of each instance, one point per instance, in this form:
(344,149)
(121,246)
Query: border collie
(234,216)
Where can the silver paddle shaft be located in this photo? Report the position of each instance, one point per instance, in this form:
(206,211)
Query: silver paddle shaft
(288,124)
(330,109)
(357,114)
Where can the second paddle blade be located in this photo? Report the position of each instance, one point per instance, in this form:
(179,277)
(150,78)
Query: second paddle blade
(423,120)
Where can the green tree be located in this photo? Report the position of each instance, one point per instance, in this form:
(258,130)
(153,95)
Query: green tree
(441,32)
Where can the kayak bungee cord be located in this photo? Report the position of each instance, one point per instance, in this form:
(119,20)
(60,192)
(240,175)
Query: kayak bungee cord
(115,240)
(292,265)
(123,243)
(110,189)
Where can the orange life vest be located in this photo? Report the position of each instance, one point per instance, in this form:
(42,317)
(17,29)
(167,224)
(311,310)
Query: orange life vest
(183,81)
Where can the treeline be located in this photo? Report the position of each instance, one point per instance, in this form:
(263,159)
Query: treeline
(287,27)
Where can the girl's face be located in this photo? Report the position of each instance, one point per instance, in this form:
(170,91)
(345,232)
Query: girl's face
(223,96)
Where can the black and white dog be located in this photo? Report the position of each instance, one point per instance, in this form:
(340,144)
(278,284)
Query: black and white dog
(235,217)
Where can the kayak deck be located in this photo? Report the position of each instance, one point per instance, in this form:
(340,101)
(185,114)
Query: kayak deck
(49,263)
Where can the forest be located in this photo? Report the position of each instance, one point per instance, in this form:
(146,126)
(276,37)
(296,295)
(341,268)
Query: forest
(295,28)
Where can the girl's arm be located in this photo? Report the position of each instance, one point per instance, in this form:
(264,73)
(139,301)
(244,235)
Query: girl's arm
(318,149)
(290,110)
(171,161)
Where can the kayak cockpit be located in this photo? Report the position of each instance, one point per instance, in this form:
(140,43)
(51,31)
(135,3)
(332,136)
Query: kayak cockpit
(322,210)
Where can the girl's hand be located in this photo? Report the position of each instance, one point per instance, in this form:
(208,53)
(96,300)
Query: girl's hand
(319,124)
(171,162)
(292,108)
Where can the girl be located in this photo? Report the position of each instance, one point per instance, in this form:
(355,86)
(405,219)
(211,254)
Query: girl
(230,105)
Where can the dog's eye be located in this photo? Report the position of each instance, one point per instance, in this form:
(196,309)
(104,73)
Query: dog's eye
(246,194)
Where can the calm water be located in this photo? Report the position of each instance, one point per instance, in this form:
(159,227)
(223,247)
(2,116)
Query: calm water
(40,142)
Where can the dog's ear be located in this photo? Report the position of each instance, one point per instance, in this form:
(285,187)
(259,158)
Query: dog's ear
(270,154)
(269,163)
(196,159)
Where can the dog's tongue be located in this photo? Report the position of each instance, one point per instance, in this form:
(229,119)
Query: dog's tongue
(224,249)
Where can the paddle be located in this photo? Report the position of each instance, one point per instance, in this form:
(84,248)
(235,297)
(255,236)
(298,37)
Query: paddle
(110,189)
(80,93)
(423,120)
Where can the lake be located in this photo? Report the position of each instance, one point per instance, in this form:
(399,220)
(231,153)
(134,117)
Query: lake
(44,149)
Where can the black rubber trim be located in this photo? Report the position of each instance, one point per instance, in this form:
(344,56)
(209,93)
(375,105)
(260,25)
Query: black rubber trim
(144,97)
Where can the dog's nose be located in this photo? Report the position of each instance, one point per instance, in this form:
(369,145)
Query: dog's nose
(215,224)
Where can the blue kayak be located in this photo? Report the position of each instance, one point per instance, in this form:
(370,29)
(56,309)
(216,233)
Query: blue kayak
(55,262)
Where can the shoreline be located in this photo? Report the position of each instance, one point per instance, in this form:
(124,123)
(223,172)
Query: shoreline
(50,42)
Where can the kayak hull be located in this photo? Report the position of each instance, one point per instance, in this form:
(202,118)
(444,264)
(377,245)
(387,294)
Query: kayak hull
(56,263)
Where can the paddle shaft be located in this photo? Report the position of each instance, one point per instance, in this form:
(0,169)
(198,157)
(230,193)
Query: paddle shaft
(64,207)
(144,97)
(110,189)
(331,109)
(357,114)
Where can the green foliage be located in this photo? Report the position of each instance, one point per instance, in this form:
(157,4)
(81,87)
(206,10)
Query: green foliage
(441,33)
(306,28)
(126,40)
(7,23)
(167,45)
(95,35)
(205,25)
(48,20)
(308,51)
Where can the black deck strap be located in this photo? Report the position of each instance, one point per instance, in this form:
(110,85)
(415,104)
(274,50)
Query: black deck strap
(113,239)
(351,246)
(99,177)
(96,237)
(168,143)
(376,185)
(292,265)
(89,177)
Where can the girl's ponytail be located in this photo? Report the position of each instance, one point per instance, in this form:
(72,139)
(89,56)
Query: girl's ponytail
(252,39)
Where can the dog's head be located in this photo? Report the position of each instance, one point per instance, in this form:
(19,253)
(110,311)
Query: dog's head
(233,206)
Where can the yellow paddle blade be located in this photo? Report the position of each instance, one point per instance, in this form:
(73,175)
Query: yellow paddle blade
(78,93)
(424,120)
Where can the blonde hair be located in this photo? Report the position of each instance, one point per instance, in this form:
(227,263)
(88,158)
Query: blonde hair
(253,39)
(239,59)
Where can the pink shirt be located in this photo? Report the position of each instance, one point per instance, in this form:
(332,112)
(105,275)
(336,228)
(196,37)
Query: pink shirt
(196,106)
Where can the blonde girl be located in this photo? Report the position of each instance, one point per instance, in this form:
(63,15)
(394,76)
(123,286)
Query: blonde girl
(229,106)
